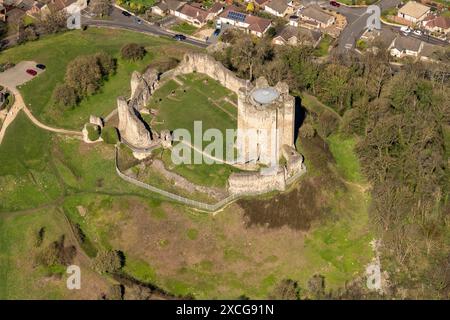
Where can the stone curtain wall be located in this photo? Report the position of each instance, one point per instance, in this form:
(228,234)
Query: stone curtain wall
(241,183)
(203,63)
(197,204)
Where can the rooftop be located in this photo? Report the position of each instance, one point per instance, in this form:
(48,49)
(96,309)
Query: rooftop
(407,43)
(265,95)
(314,12)
(301,33)
(414,9)
(279,6)
(438,21)
(194,12)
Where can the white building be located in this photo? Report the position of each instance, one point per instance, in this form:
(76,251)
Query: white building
(279,8)
(405,46)
(413,12)
(316,17)
(251,24)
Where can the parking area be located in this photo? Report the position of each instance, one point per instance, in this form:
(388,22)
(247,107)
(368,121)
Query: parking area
(18,75)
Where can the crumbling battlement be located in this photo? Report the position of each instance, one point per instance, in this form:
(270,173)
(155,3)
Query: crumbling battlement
(142,87)
(131,127)
(257,183)
(203,63)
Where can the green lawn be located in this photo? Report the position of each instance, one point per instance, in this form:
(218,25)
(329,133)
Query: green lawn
(185,28)
(195,100)
(324,45)
(200,98)
(18,278)
(58,50)
(347,161)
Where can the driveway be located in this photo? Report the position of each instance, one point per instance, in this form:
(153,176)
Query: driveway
(17,75)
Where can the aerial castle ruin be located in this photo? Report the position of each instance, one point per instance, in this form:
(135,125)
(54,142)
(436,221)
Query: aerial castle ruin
(266,124)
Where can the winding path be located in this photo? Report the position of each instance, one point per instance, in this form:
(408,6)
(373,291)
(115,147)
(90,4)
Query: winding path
(45,127)
(12,78)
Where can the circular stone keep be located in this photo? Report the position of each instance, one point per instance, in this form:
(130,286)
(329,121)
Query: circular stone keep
(265,95)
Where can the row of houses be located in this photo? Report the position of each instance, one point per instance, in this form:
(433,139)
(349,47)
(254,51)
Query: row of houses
(415,13)
(37,9)
(195,14)
(303,24)
(402,47)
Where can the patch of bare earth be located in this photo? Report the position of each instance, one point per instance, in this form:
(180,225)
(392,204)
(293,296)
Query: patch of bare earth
(224,241)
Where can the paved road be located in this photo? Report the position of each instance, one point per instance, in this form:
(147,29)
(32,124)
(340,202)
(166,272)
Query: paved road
(356,24)
(118,20)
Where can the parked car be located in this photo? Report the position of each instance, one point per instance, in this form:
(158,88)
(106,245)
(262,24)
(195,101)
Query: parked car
(405,30)
(417,32)
(216,32)
(138,21)
(335,4)
(40,66)
(126,13)
(31,72)
(179,37)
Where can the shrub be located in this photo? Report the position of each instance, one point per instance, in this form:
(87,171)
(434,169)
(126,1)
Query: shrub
(316,286)
(307,131)
(65,95)
(106,63)
(101,8)
(286,290)
(132,51)
(110,135)
(57,254)
(85,73)
(328,122)
(93,132)
(108,261)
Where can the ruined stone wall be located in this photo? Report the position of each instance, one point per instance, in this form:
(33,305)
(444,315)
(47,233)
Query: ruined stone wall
(294,161)
(256,183)
(204,63)
(132,129)
(142,87)
(286,116)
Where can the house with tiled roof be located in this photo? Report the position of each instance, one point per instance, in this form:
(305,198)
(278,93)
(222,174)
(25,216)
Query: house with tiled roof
(437,24)
(279,8)
(194,15)
(291,35)
(166,7)
(314,17)
(251,24)
(38,8)
(403,46)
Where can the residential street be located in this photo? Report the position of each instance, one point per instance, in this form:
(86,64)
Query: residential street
(118,20)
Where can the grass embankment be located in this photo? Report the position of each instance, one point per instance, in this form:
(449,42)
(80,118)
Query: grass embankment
(185,28)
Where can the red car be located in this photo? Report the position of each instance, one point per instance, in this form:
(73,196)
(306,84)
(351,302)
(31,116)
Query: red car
(335,4)
(31,72)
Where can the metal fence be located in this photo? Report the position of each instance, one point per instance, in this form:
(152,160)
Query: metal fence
(193,203)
